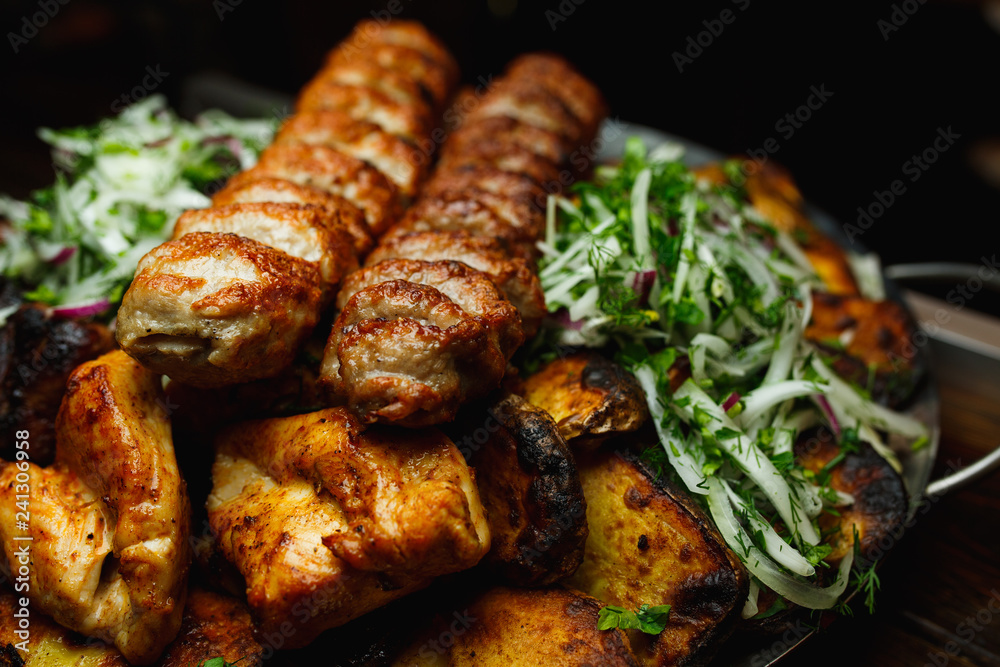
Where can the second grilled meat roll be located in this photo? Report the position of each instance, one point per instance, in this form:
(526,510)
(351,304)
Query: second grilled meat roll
(415,339)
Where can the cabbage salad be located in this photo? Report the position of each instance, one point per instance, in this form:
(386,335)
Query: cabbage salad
(657,266)
(120,186)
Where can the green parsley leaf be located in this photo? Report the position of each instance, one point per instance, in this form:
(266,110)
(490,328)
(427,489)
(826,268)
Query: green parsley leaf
(651,620)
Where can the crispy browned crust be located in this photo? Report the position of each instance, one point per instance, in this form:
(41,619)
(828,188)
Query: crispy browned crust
(414,340)
(515,627)
(512,188)
(191,315)
(507,157)
(214,626)
(435,80)
(514,276)
(399,161)
(879,354)
(367,104)
(529,484)
(477,213)
(411,34)
(507,132)
(396,85)
(589,396)
(335,172)
(305,231)
(533,103)
(247,187)
(651,544)
(37,353)
(579,95)
(110,519)
(326,522)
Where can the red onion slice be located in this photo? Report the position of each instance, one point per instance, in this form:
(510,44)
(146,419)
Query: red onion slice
(83,309)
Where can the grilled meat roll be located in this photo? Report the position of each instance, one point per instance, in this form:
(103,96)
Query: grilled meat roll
(326,521)
(216,309)
(110,520)
(406,348)
(240,287)
(514,276)
(416,339)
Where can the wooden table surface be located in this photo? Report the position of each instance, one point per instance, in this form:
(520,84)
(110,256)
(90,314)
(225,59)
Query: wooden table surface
(940,598)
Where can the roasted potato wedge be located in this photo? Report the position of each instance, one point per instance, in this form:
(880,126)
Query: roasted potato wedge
(509,627)
(868,343)
(589,397)
(213,626)
(880,500)
(651,544)
(529,485)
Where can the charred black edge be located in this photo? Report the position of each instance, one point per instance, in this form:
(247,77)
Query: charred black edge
(555,492)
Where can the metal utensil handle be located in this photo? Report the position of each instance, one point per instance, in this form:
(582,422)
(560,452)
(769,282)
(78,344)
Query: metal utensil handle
(935,272)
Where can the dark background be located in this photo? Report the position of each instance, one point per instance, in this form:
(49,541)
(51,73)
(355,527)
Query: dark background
(890,96)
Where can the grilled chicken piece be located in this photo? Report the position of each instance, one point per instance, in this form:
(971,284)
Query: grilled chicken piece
(514,277)
(651,544)
(303,231)
(217,309)
(414,340)
(367,104)
(868,343)
(436,81)
(326,521)
(511,627)
(242,189)
(531,490)
(480,214)
(327,169)
(110,520)
(581,97)
(400,162)
(37,354)
(213,626)
(590,397)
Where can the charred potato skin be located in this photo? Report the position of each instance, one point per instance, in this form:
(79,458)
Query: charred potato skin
(880,500)
(514,627)
(880,355)
(650,543)
(589,396)
(529,485)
